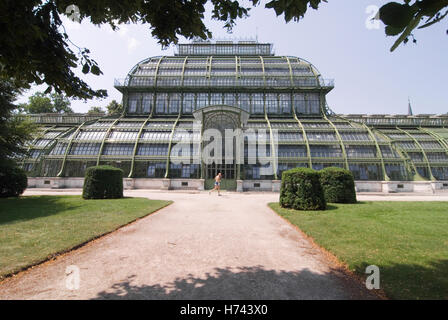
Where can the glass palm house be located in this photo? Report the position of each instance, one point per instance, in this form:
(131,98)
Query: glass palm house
(239,85)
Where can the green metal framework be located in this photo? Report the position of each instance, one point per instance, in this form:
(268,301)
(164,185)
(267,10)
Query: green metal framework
(272,144)
(423,152)
(436,136)
(344,154)
(411,169)
(282,94)
(170,145)
(68,149)
(373,133)
(305,138)
(378,150)
(136,145)
(104,140)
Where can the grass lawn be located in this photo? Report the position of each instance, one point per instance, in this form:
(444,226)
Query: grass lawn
(34,228)
(408,241)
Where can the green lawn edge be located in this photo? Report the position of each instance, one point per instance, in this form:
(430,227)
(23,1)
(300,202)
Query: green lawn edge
(407,240)
(69,248)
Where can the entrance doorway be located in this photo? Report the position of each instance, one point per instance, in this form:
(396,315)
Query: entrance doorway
(221,120)
(228,171)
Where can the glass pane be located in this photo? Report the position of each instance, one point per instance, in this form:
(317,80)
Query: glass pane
(85,148)
(152,149)
(118,149)
(161,103)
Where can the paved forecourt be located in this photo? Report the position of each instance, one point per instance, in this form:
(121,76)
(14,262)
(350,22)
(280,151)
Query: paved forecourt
(200,247)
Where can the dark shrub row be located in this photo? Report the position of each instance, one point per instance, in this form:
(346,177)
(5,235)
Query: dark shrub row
(338,185)
(103,182)
(13,181)
(301,190)
(307,189)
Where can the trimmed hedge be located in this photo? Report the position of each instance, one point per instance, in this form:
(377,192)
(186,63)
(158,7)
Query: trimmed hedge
(103,182)
(13,181)
(301,190)
(338,185)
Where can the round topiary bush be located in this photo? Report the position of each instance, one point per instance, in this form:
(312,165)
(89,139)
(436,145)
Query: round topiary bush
(301,190)
(103,182)
(13,181)
(338,185)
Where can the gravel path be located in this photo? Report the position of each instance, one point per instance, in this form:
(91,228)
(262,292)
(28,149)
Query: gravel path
(200,247)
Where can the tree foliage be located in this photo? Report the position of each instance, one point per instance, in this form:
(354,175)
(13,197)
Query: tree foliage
(96,110)
(15,132)
(114,107)
(401,19)
(33,35)
(44,103)
(34,48)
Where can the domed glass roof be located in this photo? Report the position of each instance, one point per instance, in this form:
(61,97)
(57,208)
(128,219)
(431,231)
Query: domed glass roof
(245,64)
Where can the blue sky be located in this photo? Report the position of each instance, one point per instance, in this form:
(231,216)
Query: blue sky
(368,77)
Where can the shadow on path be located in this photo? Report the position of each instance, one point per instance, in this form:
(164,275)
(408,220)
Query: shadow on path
(243,283)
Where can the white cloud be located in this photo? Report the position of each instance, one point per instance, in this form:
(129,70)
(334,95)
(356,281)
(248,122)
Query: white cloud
(123,30)
(132,44)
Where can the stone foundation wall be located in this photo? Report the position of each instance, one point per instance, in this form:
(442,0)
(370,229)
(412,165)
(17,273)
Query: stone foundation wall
(242,185)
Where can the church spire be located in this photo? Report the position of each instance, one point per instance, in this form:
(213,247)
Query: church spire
(409,107)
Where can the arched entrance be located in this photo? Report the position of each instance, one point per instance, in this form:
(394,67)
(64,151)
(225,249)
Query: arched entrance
(220,118)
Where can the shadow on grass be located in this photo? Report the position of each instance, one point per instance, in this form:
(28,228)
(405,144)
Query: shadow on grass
(243,283)
(412,281)
(27,208)
(335,205)
(330,206)
(110,199)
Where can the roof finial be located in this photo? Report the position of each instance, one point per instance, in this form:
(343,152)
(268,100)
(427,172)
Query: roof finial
(409,107)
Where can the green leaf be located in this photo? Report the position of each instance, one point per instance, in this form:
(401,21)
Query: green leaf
(95,70)
(393,31)
(85,68)
(437,19)
(396,15)
(414,23)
